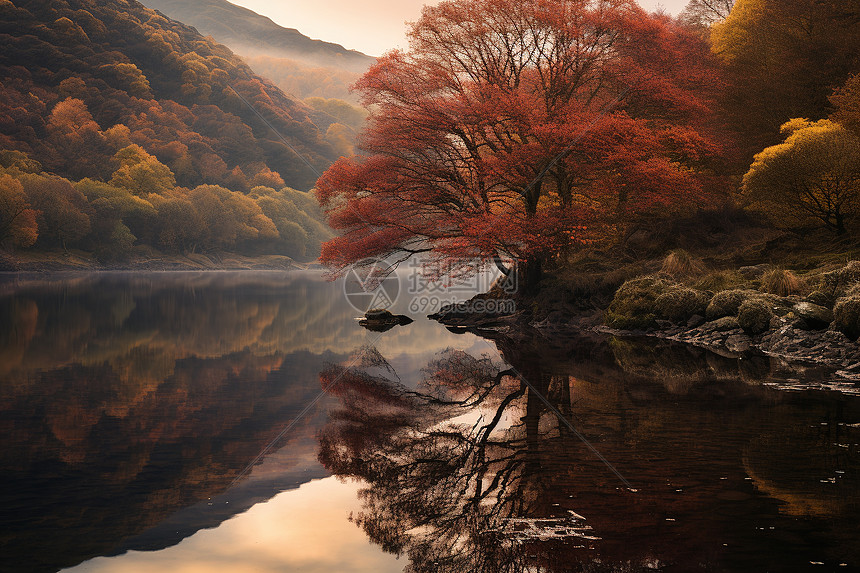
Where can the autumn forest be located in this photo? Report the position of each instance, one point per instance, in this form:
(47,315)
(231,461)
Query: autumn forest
(529,132)
(126,133)
(655,368)
(535,132)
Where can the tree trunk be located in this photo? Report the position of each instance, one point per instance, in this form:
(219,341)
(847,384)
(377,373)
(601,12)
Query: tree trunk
(531,421)
(529,275)
(840,224)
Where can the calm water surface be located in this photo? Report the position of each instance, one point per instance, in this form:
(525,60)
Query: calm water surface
(178,422)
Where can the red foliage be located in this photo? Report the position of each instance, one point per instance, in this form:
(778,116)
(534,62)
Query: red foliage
(511,126)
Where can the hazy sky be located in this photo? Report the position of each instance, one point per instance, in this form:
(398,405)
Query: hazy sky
(370,26)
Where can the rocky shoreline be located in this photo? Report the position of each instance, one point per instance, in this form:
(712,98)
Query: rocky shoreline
(813,328)
(826,348)
(724,337)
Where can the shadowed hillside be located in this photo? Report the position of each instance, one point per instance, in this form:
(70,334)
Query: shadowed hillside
(295,63)
(247,32)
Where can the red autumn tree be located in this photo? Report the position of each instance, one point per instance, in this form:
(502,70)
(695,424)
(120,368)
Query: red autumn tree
(509,126)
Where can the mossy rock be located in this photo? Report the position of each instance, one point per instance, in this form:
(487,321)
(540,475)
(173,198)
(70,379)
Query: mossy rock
(779,305)
(718,281)
(723,324)
(754,315)
(827,283)
(754,272)
(846,316)
(820,298)
(381,320)
(850,274)
(838,283)
(379,314)
(679,304)
(727,303)
(817,317)
(633,306)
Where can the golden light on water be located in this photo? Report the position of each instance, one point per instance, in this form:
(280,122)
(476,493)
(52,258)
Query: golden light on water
(294,531)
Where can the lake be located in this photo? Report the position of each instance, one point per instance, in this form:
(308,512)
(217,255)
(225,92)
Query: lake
(245,422)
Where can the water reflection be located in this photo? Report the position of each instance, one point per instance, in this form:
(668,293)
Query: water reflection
(129,405)
(470,472)
(126,398)
(142,324)
(295,531)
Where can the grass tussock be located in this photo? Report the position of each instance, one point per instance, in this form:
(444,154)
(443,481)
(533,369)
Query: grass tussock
(781,282)
(679,264)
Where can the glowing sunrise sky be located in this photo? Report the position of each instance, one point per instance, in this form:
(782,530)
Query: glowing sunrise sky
(370,26)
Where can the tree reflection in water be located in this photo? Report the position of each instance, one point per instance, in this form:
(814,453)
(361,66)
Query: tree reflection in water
(470,471)
(455,467)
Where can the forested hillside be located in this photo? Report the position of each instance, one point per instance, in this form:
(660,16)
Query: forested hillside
(123,128)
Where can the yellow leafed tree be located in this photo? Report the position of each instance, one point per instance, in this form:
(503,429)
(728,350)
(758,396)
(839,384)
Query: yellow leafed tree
(810,180)
(140,172)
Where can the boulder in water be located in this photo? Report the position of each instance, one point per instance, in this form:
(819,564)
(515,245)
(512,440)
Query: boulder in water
(380,320)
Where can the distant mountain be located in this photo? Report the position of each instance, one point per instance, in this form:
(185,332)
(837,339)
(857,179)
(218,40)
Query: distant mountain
(305,80)
(249,33)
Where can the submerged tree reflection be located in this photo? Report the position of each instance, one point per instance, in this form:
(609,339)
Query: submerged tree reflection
(471,471)
(455,467)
